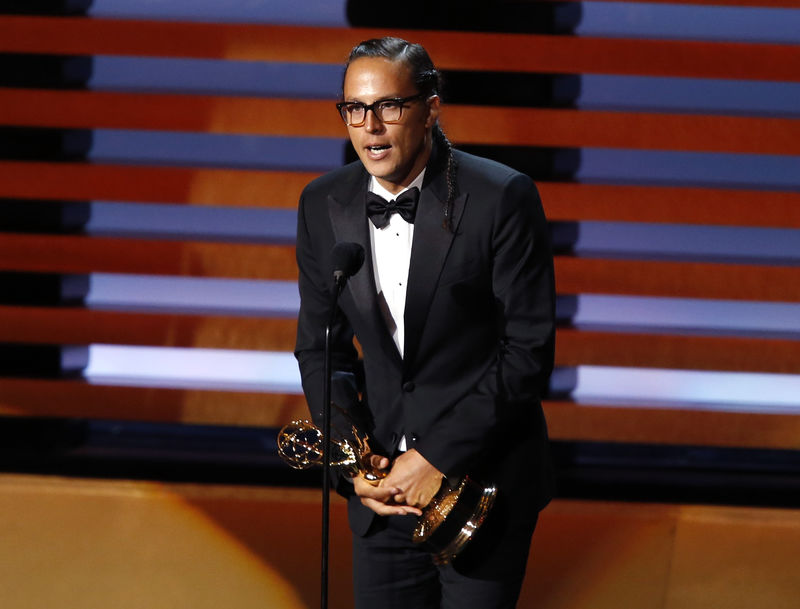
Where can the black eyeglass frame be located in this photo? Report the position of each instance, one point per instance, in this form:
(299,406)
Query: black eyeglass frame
(402,101)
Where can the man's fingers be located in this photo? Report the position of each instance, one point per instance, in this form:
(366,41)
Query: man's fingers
(383,509)
(416,476)
(380,493)
(383,499)
(378,461)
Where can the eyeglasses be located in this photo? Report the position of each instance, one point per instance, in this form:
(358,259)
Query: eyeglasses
(390,110)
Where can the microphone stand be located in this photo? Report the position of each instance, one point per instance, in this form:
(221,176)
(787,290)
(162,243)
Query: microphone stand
(339,279)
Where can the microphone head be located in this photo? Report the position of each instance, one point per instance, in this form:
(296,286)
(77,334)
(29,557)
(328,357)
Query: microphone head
(347,259)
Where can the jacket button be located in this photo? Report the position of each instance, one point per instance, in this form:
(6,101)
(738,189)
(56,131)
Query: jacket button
(413,438)
(408,386)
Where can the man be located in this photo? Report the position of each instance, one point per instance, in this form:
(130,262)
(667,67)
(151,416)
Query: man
(454,312)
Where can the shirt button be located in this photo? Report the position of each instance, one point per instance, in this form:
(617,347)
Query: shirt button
(408,386)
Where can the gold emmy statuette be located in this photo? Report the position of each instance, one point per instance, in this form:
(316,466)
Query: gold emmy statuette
(447,523)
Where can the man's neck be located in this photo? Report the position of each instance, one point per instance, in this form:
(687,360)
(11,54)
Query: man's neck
(376,186)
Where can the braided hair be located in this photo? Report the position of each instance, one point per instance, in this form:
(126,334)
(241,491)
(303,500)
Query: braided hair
(429,82)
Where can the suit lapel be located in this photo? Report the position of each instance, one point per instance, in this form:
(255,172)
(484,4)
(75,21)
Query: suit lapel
(347,212)
(428,253)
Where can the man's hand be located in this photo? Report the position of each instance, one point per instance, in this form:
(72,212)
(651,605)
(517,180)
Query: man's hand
(416,480)
(380,498)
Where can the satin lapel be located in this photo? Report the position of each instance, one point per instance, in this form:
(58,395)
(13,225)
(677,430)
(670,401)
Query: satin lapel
(428,253)
(349,221)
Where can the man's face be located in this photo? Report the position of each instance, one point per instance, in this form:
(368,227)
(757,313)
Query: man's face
(394,153)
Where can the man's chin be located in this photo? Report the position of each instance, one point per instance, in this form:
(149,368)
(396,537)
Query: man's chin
(379,171)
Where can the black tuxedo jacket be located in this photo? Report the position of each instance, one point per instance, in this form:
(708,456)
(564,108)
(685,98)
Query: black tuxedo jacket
(479,327)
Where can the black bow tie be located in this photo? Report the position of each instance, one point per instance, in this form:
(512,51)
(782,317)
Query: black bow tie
(380,210)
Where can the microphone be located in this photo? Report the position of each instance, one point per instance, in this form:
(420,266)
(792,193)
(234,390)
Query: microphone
(347,259)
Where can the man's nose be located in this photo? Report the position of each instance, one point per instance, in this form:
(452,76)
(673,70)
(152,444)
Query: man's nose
(371,122)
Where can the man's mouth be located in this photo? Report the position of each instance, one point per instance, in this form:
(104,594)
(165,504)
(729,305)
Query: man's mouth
(380,148)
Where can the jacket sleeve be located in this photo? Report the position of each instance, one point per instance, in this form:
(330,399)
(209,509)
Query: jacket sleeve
(523,289)
(316,291)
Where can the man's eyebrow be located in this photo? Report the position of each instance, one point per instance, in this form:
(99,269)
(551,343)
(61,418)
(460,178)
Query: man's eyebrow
(379,99)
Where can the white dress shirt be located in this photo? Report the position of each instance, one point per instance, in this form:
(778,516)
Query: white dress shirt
(391,257)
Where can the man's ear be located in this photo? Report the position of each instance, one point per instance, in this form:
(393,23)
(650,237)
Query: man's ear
(434,106)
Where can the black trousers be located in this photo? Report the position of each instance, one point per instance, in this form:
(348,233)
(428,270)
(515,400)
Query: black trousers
(390,571)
